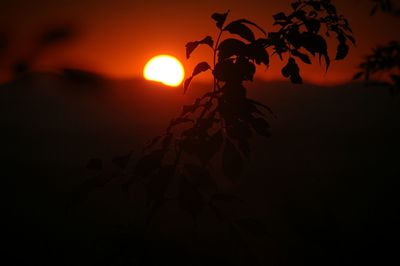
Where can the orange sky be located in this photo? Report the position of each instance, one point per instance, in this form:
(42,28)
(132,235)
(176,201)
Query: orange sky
(118,37)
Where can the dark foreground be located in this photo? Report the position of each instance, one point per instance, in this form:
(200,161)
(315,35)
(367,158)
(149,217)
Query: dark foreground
(323,189)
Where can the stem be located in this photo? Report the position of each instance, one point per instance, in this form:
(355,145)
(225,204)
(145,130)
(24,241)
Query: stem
(155,205)
(215,57)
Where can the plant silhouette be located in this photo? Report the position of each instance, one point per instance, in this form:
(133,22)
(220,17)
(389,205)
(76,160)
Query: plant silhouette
(385,6)
(217,128)
(51,37)
(384,59)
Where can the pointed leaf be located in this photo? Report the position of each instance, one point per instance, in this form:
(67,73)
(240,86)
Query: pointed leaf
(305,58)
(186,84)
(220,18)
(230,47)
(191,46)
(237,27)
(245,21)
(358,75)
(342,51)
(201,67)
(261,126)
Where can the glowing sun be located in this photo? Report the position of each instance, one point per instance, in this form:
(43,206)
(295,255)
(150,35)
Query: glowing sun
(165,69)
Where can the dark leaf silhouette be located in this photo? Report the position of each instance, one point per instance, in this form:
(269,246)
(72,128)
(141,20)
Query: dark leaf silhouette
(261,126)
(239,28)
(358,75)
(201,67)
(342,51)
(186,84)
(281,16)
(230,47)
(292,71)
(191,46)
(305,58)
(258,53)
(384,59)
(220,19)
(245,21)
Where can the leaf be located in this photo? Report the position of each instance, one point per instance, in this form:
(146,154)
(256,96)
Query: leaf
(351,38)
(295,5)
(258,53)
(280,16)
(262,105)
(232,162)
(245,21)
(313,25)
(190,108)
(342,51)
(191,46)
(292,71)
(237,27)
(201,67)
(186,84)
(122,161)
(314,43)
(305,58)
(225,70)
(261,126)
(220,18)
(95,164)
(358,75)
(230,47)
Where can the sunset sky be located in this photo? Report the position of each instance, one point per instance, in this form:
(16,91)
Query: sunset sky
(117,38)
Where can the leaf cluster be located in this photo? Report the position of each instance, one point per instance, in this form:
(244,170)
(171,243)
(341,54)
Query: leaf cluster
(385,6)
(384,59)
(216,130)
(302,34)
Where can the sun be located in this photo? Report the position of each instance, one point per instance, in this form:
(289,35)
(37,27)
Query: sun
(165,69)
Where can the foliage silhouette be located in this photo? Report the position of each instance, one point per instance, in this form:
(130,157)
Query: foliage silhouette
(216,129)
(384,59)
(51,37)
(385,6)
